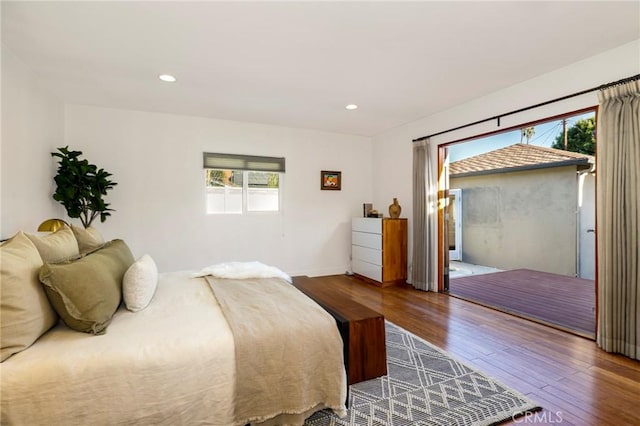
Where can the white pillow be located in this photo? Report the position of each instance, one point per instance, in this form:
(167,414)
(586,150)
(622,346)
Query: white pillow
(139,283)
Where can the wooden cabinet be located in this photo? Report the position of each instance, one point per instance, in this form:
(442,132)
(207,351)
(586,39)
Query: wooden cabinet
(379,250)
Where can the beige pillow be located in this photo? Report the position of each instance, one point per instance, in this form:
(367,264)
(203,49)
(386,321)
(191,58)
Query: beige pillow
(86,292)
(25,313)
(87,238)
(139,283)
(57,246)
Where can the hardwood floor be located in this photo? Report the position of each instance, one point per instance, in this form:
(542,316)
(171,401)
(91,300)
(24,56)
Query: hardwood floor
(561,301)
(576,382)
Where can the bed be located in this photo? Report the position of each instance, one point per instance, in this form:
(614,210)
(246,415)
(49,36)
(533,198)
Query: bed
(182,361)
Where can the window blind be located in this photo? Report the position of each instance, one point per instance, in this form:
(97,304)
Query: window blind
(243,162)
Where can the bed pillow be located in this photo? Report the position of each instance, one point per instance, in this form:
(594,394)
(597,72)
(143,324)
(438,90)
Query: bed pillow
(57,246)
(25,312)
(139,283)
(86,292)
(87,238)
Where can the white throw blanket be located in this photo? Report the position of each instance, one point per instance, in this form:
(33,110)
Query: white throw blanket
(242,270)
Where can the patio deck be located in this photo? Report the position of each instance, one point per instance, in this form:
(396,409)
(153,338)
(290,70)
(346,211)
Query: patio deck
(563,302)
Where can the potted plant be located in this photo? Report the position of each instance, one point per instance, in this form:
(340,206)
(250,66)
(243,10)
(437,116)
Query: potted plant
(81,187)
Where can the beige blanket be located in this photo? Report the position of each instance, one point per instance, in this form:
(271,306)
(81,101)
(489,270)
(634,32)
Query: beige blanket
(289,356)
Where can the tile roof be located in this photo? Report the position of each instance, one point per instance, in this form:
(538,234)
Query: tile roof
(518,156)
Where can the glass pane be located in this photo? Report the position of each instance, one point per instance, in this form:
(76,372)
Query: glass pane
(224,191)
(452,222)
(263,192)
(221,178)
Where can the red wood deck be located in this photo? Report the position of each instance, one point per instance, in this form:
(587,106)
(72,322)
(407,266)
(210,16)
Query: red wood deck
(556,300)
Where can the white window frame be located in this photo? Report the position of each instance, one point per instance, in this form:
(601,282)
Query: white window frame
(245,164)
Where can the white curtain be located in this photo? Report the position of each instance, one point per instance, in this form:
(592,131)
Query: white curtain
(425,242)
(618,189)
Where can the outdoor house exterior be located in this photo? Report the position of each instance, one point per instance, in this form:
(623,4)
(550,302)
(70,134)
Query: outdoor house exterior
(526,206)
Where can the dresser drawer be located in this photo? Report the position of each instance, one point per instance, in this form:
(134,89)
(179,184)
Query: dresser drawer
(379,250)
(368,270)
(365,239)
(367,254)
(367,224)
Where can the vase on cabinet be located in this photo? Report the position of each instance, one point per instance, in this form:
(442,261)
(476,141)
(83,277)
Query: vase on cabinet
(395,209)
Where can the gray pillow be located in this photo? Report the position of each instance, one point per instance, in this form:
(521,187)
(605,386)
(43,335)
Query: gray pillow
(25,312)
(86,292)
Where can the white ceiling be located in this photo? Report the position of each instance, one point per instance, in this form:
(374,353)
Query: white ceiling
(298,64)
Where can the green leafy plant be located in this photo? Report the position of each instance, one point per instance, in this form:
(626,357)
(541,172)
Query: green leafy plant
(580,137)
(81,187)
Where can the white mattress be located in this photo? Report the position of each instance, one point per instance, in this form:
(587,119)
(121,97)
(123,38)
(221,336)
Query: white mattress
(171,363)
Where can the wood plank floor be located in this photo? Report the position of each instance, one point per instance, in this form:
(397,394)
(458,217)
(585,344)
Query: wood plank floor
(557,300)
(576,382)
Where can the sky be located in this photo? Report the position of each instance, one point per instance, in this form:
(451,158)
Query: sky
(545,135)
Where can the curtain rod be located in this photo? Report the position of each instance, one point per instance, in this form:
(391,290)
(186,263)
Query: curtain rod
(498,117)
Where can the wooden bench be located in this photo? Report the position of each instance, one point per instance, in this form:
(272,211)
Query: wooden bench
(361,328)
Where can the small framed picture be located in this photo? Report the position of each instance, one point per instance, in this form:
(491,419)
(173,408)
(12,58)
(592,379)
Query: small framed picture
(331,180)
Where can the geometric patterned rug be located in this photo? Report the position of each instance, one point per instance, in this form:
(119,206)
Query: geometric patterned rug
(426,386)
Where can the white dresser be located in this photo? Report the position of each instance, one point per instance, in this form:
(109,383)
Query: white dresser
(379,250)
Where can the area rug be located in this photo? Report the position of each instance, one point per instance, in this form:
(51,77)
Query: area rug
(426,386)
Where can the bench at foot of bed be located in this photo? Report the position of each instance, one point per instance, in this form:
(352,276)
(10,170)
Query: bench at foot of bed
(361,328)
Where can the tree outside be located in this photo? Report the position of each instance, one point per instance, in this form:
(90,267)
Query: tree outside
(580,137)
(215,177)
(274,180)
(221,178)
(527,132)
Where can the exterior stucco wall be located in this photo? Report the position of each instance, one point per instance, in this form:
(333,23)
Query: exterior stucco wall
(521,219)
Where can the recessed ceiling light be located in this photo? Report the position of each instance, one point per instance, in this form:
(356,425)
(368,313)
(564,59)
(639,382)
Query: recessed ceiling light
(168,78)
(351,106)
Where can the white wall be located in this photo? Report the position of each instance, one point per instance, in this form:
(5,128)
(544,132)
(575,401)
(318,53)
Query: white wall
(32,126)
(392,152)
(160,197)
(156,159)
(524,219)
(586,226)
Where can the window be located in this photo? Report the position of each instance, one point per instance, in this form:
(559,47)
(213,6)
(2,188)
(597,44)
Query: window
(236,184)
